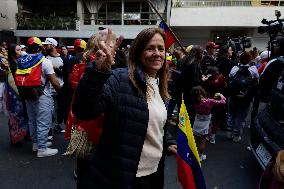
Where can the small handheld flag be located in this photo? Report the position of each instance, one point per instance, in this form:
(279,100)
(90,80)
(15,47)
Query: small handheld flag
(170,38)
(189,167)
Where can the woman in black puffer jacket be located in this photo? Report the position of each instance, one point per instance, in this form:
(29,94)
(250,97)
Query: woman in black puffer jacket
(130,153)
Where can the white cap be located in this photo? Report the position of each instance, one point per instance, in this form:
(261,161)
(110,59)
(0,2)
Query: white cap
(264,54)
(23,46)
(50,41)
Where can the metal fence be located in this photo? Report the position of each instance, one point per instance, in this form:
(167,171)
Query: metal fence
(225,3)
(133,18)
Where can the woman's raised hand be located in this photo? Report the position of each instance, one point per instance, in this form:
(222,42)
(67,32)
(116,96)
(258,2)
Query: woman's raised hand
(106,53)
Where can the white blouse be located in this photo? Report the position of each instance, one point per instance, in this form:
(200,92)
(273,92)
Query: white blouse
(153,144)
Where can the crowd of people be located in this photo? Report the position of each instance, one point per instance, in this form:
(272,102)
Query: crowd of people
(120,102)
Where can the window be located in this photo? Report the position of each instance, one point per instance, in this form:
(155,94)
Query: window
(114,10)
(136,12)
(102,16)
(132,13)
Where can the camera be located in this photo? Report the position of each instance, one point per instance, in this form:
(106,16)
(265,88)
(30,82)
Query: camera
(273,26)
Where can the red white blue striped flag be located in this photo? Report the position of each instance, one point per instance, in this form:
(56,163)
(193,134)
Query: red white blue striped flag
(170,38)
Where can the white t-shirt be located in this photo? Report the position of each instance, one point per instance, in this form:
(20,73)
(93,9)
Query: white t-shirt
(252,69)
(47,69)
(57,62)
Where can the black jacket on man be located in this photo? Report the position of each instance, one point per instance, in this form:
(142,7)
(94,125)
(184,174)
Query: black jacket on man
(207,61)
(117,155)
(269,77)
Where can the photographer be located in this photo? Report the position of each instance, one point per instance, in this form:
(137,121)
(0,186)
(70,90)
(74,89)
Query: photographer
(272,70)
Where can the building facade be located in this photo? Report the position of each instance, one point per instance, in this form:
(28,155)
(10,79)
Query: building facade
(194,21)
(205,20)
(69,19)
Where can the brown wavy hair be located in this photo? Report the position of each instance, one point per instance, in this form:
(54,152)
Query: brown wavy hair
(136,49)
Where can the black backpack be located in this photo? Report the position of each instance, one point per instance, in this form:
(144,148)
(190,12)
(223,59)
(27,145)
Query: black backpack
(242,85)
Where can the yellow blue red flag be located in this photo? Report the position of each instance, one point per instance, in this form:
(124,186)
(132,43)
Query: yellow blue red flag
(189,167)
(170,38)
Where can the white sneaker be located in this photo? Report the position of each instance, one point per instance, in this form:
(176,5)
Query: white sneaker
(46,152)
(237,139)
(203,157)
(212,139)
(35,147)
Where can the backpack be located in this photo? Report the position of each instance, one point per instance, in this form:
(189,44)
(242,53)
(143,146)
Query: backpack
(28,77)
(242,85)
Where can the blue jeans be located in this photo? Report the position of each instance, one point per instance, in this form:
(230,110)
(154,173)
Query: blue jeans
(40,119)
(238,112)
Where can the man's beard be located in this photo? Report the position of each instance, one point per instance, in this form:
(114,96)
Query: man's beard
(48,51)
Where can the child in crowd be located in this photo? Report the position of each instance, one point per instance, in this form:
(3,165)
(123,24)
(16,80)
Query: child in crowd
(203,106)
(216,83)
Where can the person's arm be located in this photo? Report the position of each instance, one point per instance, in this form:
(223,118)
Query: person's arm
(94,95)
(171,134)
(54,82)
(219,99)
(75,76)
(195,74)
(50,74)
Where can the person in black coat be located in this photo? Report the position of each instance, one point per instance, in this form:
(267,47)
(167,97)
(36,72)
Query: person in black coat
(191,76)
(224,62)
(130,153)
(209,59)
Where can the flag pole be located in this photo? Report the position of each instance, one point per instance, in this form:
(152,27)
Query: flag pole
(157,12)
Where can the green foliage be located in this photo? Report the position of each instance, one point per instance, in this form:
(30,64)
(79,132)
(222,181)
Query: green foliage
(46,23)
(178,3)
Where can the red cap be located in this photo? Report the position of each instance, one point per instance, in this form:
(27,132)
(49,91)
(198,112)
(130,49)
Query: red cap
(80,43)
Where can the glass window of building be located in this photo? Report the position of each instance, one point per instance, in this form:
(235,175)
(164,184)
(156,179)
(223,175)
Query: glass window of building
(114,10)
(132,13)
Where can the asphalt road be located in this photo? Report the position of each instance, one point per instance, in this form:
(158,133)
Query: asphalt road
(228,165)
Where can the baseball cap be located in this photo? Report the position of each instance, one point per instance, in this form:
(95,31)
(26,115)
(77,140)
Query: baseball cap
(34,41)
(50,41)
(188,48)
(264,54)
(80,43)
(212,45)
(23,46)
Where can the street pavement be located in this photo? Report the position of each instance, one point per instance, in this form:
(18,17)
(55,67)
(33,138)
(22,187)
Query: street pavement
(228,165)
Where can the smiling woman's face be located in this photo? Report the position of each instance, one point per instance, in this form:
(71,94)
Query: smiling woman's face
(153,56)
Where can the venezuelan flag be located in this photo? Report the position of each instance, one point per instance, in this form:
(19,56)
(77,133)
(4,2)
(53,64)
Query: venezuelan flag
(170,39)
(189,167)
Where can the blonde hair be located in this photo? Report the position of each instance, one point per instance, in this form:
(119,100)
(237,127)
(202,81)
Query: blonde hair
(93,44)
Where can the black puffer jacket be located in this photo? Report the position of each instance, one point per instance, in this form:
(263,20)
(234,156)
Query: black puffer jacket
(118,153)
(269,77)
